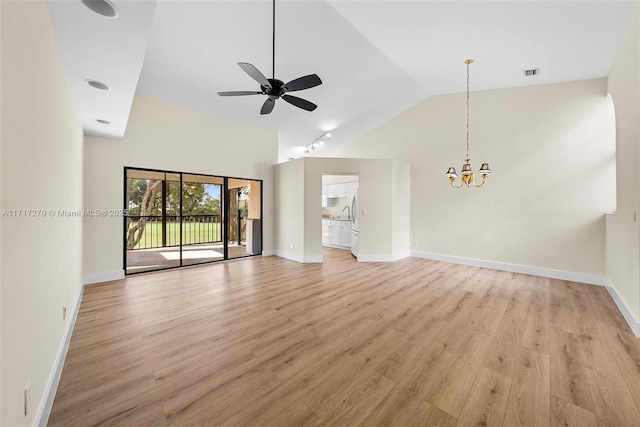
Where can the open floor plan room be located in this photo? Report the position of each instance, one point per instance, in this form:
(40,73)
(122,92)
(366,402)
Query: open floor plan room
(269,341)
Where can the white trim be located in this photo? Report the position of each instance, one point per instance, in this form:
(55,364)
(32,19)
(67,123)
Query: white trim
(106,276)
(299,258)
(269,252)
(626,313)
(401,255)
(515,268)
(329,245)
(46,404)
(375,258)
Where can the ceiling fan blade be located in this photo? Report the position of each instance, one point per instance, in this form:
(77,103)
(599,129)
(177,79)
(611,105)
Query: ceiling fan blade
(268,105)
(301,83)
(239,93)
(299,102)
(255,74)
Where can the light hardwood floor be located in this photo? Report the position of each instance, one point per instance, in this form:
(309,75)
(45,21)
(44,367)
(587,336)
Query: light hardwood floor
(267,341)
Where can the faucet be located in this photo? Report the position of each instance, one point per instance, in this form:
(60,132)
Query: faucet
(348,211)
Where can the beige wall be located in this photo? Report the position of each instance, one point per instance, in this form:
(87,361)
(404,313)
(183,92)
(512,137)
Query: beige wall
(168,137)
(41,168)
(401,209)
(289,208)
(622,252)
(552,151)
(376,180)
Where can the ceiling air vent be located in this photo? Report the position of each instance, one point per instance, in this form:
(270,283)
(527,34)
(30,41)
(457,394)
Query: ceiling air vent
(532,72)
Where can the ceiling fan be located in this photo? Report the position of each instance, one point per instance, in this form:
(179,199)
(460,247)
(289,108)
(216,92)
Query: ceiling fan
(275,88)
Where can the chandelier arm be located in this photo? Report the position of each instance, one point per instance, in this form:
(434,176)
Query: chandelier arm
(484,181)
(451,180)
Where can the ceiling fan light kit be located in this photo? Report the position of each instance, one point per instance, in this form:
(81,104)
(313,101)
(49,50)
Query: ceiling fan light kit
(467,170)
(275,88)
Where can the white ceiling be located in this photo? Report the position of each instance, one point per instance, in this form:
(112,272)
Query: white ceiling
(375,58)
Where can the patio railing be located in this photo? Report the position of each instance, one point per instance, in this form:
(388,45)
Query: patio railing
(163,232)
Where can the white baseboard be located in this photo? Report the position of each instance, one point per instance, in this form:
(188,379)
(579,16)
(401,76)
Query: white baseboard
(515,268)
(269,252)
(329,245)
(44,410)
(633,323)
(299,258)
(107,276)
(375,258)
(401,255)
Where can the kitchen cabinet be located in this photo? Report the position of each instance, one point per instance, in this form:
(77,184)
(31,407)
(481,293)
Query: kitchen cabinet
(327,198)
(345,234)
(336,234)
(325,231)
(334,191)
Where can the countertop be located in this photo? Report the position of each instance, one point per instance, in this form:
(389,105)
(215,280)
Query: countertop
(341,218)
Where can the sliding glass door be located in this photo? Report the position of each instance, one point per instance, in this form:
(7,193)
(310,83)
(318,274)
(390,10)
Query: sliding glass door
(244,236)
(177,219)
(201,219)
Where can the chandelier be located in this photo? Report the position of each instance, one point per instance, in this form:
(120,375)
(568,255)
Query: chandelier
(467,169)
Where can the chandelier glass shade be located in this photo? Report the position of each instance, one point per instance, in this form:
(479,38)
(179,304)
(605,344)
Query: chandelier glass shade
(467,177)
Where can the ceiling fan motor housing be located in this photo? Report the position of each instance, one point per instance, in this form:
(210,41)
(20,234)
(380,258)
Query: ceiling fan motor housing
(276,90)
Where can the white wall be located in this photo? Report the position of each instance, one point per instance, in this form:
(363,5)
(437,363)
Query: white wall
(376,181)
(552,151)
(289,208)
(623,239)
(41,168)
(401,209)
(169,137)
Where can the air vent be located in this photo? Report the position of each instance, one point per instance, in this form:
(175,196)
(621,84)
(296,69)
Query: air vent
(532,72)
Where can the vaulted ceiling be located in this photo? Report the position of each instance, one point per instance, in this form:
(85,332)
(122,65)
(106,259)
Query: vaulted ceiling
(375,58)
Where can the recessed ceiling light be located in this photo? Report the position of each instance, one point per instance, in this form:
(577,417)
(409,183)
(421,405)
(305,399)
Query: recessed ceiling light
(102,7)
(98,85)
(104,122)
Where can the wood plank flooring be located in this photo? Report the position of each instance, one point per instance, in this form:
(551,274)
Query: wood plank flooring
(267,341)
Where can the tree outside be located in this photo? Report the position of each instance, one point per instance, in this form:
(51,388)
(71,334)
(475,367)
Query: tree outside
(144,205)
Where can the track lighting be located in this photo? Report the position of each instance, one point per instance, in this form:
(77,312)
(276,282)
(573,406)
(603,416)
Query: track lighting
(321,140)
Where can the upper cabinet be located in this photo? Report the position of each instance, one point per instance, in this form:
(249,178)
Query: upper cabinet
(333,191)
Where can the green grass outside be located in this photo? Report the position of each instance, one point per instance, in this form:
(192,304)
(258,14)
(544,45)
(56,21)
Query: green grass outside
(192,233)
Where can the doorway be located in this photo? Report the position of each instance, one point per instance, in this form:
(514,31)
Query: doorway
(176,219)
(340,212)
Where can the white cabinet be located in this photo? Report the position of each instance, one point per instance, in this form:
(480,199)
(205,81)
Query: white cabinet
(327,196)
(336,234)
(325,231)
(345,234)
(333,191)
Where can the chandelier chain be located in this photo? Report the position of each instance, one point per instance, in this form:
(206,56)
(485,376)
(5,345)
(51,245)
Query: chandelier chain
(468,111)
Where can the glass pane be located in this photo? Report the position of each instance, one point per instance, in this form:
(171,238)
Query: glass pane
(145,232)
(245,229)
(201,219)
